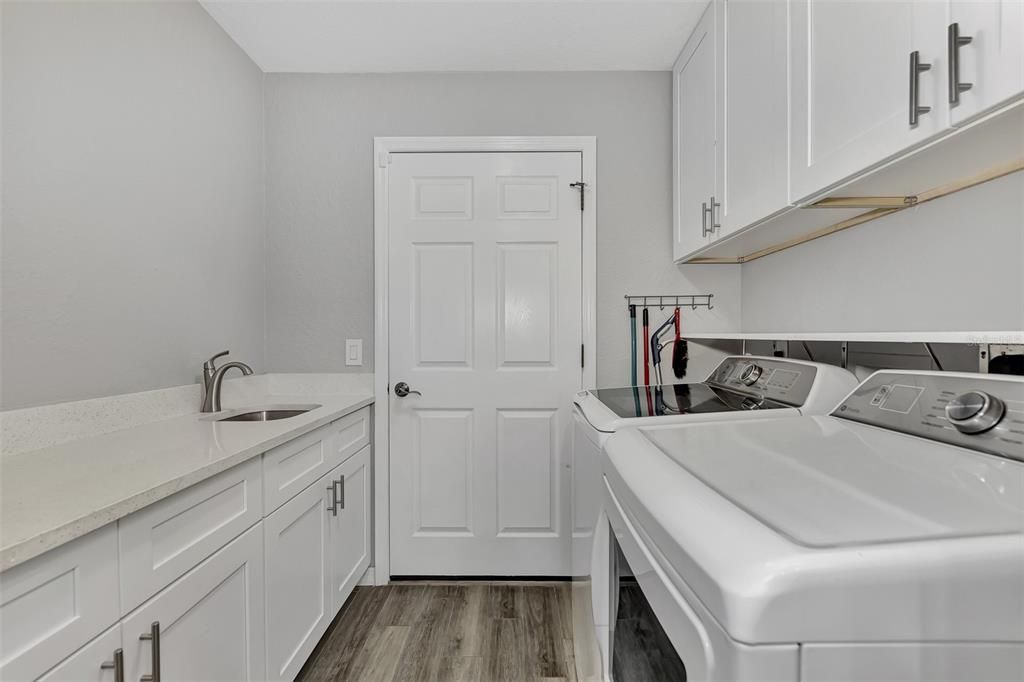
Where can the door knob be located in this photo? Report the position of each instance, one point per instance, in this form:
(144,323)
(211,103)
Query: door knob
(402,389)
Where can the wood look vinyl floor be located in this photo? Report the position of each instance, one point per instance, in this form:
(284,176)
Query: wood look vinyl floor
(449,631)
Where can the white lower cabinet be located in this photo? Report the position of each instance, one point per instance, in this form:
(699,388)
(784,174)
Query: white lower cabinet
(349,530)
(207,625)
(298,596)
(317,549)
(95,662)
(53,605)
(181,600)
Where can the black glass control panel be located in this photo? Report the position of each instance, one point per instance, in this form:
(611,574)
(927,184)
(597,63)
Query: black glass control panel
(980,412)
(771,379)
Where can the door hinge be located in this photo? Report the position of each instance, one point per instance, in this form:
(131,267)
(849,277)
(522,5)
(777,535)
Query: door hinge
(583,356)
(383,159)
(582,187)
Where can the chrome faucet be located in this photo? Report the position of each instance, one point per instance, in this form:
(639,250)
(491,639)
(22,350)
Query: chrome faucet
(213,376)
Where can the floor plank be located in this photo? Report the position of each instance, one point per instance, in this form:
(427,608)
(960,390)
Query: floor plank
(460,631)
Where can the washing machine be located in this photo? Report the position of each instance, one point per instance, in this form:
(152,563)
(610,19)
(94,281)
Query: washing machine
(884,541)
(740,388)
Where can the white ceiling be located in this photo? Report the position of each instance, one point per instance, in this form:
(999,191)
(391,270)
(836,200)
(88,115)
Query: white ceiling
(359,36)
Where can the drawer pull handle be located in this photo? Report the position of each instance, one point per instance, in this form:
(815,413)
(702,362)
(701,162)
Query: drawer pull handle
(153,637)
(117,665)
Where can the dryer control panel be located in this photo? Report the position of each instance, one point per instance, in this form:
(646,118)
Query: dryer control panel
(774,379)
(977,411)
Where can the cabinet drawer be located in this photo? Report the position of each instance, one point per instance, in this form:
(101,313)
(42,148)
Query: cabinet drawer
(164,540)
(291,468)
(52,605)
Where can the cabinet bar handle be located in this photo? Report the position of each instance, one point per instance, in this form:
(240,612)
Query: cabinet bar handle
(916,68)
(334,498)
(704,219)
(117,665)
(954,41)
(714,223)
(341,487)
(153,637)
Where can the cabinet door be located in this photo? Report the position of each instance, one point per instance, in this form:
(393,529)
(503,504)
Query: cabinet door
(349,531)
(850,85)
(693,106)
(52,605)
(211,623)
(297,579)
(993,62)
(753,113)
(86,664)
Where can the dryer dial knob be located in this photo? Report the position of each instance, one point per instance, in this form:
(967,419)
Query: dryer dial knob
(751,374)
(975,412)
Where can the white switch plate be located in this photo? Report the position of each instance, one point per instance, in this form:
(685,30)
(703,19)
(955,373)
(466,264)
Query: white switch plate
(353,351)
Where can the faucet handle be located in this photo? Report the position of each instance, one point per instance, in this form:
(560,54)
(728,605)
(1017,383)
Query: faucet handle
(211,364)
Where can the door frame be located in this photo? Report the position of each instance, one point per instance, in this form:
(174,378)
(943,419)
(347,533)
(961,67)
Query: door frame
(383,147)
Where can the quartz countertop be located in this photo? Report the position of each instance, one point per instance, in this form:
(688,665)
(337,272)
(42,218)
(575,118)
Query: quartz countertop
(53,495)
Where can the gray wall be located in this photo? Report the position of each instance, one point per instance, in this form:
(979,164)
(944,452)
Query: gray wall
(320,131)
(133,226)
(953,264)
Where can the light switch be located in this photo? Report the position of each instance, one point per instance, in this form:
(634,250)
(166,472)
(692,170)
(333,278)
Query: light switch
(353,351)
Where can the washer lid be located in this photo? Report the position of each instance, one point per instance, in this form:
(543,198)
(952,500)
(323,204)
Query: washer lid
(825,483)
(819,529)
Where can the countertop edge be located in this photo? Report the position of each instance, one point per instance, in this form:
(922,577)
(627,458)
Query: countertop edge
(28,549)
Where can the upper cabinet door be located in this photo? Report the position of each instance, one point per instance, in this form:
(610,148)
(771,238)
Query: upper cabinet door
(753,113)
(852,81)
(693,135)
(992,62)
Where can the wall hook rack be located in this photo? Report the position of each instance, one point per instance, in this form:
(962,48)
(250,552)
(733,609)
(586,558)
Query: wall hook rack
(692,301)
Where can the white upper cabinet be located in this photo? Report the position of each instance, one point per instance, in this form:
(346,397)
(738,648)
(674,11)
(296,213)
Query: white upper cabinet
(989,55)
(753,113)
(852,82)
(693,104)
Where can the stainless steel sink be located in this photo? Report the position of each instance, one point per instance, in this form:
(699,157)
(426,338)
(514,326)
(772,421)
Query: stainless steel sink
(269,414)
(263,416)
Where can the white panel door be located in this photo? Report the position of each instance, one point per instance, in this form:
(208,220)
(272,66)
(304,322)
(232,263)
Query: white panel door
(297,578)
(693,136)
(348,531)
(850,85)
(993,62)
(211,623)
(485,322)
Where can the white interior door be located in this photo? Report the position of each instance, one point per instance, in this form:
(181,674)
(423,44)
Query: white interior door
(485,322)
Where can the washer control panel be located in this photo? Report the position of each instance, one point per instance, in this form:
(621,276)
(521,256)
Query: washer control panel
(766,378)
(983,412)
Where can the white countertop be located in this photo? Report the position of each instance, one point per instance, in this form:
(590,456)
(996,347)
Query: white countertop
(51,496)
